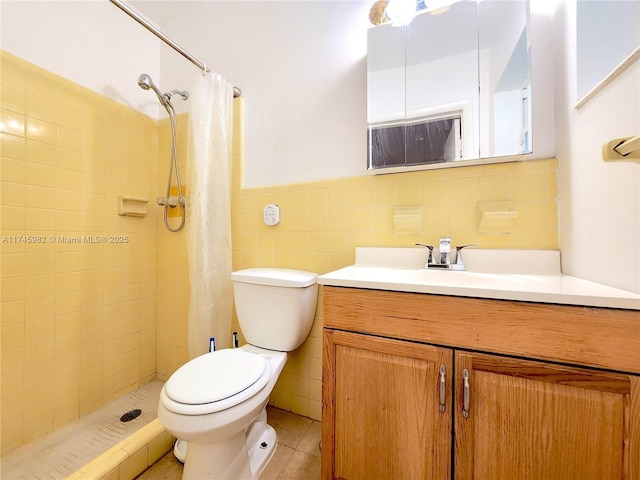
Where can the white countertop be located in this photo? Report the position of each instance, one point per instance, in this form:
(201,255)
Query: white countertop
(521,275)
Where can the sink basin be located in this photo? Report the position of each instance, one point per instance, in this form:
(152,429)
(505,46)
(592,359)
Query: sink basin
(522,275)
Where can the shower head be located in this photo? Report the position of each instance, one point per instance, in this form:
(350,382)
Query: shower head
(145,82)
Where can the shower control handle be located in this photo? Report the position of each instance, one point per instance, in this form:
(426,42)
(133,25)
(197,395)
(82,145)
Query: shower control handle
(170,201)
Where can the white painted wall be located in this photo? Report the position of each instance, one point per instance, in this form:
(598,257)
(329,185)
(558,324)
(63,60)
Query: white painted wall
(302,68)
(599,202)
(91,43)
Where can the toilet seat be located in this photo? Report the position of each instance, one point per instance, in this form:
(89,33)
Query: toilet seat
(215,381)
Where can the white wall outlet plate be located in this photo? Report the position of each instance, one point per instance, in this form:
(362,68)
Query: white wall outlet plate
(271,214)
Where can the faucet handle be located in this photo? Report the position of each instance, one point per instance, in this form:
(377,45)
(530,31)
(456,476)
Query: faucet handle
(459,252)
(430,247)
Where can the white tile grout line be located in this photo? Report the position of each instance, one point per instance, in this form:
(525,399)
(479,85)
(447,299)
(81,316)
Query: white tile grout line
(60,454)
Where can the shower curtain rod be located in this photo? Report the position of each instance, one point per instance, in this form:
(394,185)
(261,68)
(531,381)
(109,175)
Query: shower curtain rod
(138,17)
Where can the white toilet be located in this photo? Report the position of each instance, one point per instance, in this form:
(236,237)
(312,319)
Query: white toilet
(217,402)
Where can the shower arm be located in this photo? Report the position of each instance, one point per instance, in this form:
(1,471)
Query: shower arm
(142,20)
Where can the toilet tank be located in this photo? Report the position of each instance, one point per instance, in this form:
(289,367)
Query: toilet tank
(275,306)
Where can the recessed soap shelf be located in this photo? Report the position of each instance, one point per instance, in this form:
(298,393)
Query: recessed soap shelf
(407,220)
(496,217)
(132,206)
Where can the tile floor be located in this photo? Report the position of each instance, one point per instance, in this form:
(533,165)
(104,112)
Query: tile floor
(297,456)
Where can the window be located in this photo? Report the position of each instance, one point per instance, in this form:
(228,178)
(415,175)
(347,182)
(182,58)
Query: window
(417,141)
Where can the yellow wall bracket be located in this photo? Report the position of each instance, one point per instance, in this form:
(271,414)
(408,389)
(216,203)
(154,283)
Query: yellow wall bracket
(622,149)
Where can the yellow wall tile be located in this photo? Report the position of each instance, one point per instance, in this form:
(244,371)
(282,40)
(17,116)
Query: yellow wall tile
(39,84)
(42,175)
(13,218)
(70,159)
(69,94)
(12,122)
(13,194)
(71,119)
(12,73)
(12,312)
(13,265)
(12,337)
(67,323)
(530,186)
(13,289)
(495,188)
(359,197)
(12,360)
(13,98)
(67,406)
(40,197)
(318,199)
(407,193)
(12,146)
(40,374)
(338,198)
(13,170)
(39,330)
(463,190)
(40,352)
(42,108)
(69,138)
(42,131)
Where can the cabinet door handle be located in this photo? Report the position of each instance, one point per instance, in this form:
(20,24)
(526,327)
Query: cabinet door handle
(466,393)
(443,387)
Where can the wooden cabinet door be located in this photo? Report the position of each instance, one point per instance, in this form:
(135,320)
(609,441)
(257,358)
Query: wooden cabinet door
(381,415)
(537,421)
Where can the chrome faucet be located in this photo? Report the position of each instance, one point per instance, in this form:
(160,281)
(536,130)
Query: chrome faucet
(445,251)
(444,255)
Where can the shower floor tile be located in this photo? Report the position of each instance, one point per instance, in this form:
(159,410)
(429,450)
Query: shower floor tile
(297,456)
(60,454)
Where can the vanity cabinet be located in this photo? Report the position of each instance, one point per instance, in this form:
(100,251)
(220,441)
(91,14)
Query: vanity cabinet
(382,409)
(398,366)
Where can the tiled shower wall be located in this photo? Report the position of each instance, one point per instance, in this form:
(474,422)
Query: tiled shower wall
(173,265)
(78,292)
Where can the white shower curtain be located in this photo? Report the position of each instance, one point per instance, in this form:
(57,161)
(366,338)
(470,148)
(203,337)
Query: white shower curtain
(209,226)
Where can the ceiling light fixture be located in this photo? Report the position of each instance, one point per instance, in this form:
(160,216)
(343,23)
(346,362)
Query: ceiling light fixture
(402,12)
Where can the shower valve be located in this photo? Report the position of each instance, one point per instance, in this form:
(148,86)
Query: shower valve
(170,201)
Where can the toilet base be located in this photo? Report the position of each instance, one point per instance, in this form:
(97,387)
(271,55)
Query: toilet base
(259,445)
(262,451)
(224,460)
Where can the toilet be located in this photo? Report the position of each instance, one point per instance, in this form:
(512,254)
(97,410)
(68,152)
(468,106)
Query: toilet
(216,403)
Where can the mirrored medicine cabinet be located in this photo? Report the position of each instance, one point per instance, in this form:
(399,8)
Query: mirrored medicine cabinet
(449,88)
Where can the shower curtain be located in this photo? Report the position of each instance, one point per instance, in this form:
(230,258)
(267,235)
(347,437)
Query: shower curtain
(209,226)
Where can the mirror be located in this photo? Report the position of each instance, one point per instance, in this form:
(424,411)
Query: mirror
(450,87)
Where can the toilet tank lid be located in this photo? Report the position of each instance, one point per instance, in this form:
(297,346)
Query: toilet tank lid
(278,277)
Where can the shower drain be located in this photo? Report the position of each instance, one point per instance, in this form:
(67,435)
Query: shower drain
(130,415)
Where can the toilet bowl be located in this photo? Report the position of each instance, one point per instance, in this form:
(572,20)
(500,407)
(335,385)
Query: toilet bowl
(216,402)
(237,384)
